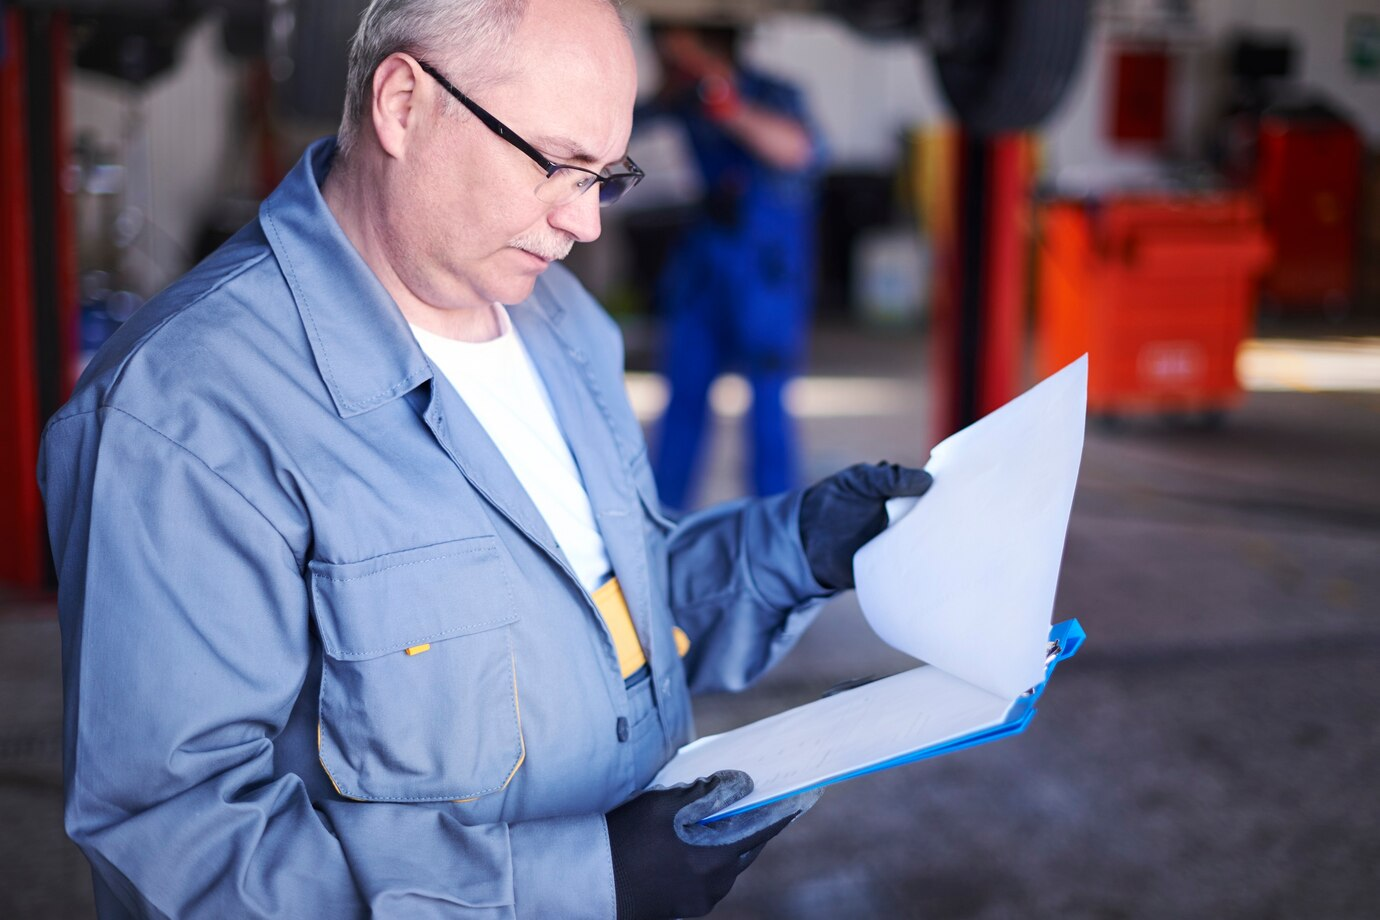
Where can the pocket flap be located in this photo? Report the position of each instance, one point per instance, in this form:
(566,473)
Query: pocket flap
(401,600)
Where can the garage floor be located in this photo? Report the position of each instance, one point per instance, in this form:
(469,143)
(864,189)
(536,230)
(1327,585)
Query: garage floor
(1213,752)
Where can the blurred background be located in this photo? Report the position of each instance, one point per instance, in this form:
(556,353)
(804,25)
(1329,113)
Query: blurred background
(1189,190)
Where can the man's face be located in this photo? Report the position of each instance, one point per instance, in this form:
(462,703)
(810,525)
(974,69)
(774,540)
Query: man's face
(469,228)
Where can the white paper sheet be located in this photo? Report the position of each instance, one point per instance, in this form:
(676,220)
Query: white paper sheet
(965,580)
(812,744)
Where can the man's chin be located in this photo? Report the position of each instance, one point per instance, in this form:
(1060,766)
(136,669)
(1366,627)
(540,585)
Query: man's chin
(518,289)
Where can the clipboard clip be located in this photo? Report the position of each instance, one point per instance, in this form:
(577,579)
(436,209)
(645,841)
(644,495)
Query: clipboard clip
(1052,654)
(1056,648)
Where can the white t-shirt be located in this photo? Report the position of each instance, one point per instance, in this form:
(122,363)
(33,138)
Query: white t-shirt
(502,388)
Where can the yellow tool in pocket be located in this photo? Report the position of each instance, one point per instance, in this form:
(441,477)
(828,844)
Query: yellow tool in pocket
(613,607)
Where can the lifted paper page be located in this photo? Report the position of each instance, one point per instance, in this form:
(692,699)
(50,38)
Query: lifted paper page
(841,735)
(966,580)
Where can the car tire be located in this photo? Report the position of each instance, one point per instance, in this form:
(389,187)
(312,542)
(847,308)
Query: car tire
(1010,65)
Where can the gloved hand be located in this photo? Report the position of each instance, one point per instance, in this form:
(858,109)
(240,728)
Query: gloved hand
(841,513)
(665,864)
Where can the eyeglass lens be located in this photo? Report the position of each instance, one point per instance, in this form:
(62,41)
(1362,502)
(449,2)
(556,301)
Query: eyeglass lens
(616,187)
(567,184)
(563,184)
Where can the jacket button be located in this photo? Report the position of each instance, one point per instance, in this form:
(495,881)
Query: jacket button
(622,729)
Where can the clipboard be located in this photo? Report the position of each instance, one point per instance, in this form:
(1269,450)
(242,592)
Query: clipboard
(980,556)
(759,748)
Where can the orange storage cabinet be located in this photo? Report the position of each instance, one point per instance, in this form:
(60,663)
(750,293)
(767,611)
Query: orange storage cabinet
(1158,290)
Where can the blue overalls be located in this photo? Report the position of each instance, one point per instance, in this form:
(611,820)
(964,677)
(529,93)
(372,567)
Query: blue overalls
(736,295)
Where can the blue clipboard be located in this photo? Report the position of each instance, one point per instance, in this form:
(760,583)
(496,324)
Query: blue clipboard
(1064,641)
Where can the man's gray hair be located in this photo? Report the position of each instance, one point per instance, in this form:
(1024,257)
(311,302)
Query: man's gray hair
(467,38)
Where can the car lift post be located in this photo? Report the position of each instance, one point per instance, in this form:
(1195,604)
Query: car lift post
(38,277)
(979,316)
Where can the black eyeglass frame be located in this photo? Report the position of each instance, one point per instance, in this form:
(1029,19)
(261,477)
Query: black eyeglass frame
(634,172)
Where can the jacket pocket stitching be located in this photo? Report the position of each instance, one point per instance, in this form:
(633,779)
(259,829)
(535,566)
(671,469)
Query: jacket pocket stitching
(514,716)
(403,565)
(341,654)
(513,713)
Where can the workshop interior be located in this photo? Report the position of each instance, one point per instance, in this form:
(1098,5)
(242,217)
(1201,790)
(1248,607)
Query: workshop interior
(1187,191)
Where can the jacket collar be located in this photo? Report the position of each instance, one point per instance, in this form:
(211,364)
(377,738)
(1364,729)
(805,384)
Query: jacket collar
(367,356)
(364,351)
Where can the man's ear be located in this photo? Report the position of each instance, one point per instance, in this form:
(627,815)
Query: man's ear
(394,103)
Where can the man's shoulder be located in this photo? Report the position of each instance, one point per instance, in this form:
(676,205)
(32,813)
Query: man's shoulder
(205,330)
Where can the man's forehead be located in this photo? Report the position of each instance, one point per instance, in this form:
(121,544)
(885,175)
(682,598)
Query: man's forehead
(583,122)
(569,150)
(572,83)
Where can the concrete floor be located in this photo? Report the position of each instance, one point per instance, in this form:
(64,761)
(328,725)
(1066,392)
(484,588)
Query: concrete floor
(1211,753)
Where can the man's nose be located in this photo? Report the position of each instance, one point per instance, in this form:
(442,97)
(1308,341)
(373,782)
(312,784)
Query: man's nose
(579,218)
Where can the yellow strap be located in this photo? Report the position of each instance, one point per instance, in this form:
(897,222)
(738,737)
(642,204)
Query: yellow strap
(613,607)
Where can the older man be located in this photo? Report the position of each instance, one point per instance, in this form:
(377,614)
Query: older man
(367,602)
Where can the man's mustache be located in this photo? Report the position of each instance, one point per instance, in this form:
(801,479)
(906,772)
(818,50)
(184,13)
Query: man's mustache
(550,248)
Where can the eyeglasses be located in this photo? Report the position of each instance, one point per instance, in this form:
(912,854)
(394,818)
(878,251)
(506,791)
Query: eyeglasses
(564,183)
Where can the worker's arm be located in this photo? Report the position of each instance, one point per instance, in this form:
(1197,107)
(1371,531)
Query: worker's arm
(741,588)
(780,138)
(747,577)
(186,645)
(776,134)
(768,118)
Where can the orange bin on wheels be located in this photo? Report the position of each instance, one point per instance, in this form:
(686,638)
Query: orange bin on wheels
(1159,291)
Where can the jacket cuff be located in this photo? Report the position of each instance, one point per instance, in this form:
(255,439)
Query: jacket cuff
(562,867)
(789,583)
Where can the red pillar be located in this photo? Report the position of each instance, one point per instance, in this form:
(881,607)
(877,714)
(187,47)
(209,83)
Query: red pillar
(21,559)
(979,327)
(38,274)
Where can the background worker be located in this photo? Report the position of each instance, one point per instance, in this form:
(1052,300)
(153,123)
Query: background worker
(737,289)
(368,607)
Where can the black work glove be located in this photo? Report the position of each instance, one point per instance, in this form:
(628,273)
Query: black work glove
(841,513)
(666,865)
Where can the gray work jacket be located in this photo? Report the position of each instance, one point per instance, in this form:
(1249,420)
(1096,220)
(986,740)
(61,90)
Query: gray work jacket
(260,497)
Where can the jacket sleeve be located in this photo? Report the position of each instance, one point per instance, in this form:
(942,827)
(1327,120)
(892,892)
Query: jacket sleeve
(187,643)
(741,588)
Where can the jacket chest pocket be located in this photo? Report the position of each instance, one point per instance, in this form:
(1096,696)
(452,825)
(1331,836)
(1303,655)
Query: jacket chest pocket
(419,696)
